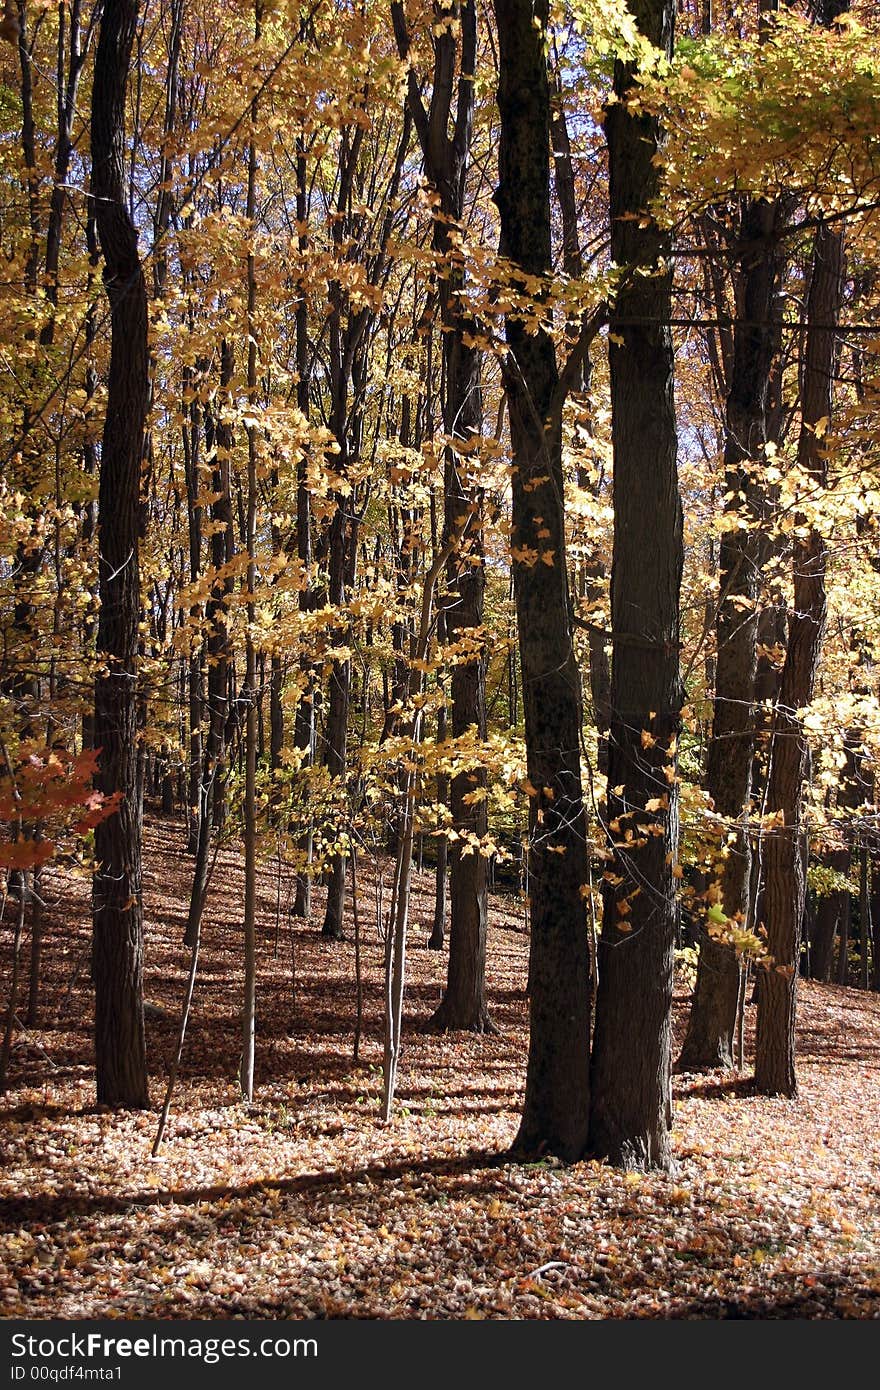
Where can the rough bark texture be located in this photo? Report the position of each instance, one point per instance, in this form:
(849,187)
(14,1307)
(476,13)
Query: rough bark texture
(556,1107)
(711,1026)
(784,868)
(117,952)
(630,1083)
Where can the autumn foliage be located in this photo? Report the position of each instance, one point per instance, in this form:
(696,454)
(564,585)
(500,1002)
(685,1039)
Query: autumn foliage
(440,498)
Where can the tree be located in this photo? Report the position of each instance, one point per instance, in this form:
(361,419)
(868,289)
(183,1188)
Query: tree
(555,1109)
(785,862)
(446,154)
(712,1020)
(630,1085)
(118,942)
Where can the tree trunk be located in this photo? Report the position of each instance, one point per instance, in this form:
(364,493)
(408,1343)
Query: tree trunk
(785,878)
(348,347)
(556,1107)
(711,1026)
(875,928)
(398,919)
(32,1017)
(304,720)
(191,441)
(248,1010)
(117,951)
(864,921)
(446,164)
(336,736)
(436,940)
(631,1088)
(464,1002)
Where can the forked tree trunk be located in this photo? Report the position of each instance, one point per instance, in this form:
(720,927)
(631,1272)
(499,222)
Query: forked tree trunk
(446,153)
(556,1106)
(118,942)
(630,1081)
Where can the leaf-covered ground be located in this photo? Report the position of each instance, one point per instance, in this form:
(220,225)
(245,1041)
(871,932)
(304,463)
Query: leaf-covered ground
(304,1205)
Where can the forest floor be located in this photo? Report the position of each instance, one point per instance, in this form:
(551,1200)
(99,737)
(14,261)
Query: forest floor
(304,1205)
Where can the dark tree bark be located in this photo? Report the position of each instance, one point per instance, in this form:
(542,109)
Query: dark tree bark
(630,1081)
(556,1107)
(712,1023)
(446,154)
(864,920)
(784,868)
(437,938)
(336,731)
(347,333)
(304,720)
(249,830)
(117,951)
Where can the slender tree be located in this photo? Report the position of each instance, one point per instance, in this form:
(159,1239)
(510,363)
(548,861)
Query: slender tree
(444,130)
(117,952)
(218,442)
(248,1013)
(712,1022)
(785,866)
(785,884)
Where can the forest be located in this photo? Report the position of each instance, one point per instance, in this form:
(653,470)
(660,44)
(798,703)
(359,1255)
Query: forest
(439,615)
